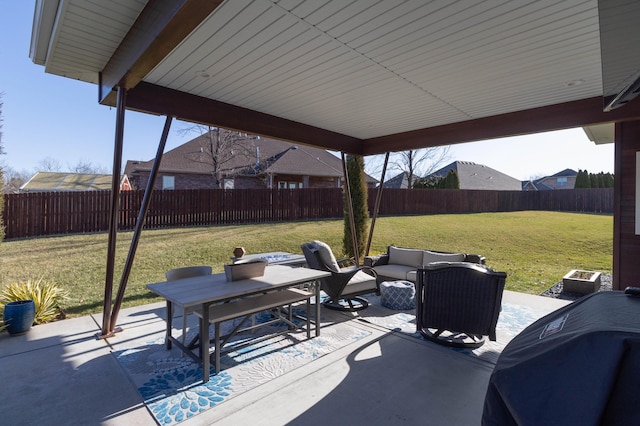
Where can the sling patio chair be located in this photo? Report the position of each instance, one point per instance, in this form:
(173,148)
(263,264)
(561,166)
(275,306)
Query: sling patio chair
(187,272)
(458,303)
(346,284)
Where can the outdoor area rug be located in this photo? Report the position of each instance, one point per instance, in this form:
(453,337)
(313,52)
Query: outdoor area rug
(512,320)
(171,384)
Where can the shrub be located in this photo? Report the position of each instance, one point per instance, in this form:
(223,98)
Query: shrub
(46,296)
(358,185)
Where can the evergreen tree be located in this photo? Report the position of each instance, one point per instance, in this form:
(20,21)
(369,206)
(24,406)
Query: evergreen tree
(594,180)
(608,180)
(359,193)
(452,180)
(582,180)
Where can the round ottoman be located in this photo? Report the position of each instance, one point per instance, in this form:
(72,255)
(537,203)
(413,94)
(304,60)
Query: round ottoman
(398,295)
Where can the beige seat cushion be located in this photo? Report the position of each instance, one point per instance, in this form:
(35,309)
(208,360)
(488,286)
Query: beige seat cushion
(360,282)
(402,256)
(398,272)
(327,256)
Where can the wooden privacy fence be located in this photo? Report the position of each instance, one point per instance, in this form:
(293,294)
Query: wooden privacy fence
(51,213)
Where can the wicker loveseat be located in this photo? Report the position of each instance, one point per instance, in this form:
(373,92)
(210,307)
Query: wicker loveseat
(402,263)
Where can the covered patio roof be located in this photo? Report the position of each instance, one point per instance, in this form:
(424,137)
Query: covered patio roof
(355,76)
(361,77)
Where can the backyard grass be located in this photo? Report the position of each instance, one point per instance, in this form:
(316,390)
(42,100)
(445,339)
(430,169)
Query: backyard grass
(535,249)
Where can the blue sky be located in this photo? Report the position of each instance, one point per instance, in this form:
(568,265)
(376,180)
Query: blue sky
(50,116)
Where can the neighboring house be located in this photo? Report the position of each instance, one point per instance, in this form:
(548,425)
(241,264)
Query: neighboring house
(61,181)
(566,179)
(264,163)
(478,176)
(400,181)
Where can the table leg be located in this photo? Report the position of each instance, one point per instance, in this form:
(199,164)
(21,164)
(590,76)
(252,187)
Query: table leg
(216,329)
(204,342)
(169,324)
(317,285)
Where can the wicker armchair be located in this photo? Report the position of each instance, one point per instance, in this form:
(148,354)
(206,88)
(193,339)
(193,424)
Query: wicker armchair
(458,303)
(345,284)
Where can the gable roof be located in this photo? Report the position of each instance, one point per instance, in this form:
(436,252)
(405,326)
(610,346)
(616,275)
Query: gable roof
(564,173)
(478,176)
(258,156)
(400,181)
(61,181)
(539,184)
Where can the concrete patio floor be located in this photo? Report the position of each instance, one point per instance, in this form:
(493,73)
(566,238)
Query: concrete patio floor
(60,373)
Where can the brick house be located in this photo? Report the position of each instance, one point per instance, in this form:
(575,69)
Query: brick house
(565,179)
(258,163)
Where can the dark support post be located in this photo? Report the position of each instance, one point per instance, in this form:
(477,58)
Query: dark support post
(113,212)
(377,205)
(139,224)
(352,222)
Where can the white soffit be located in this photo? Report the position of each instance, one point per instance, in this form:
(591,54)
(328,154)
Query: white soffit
(83,36)
(601,133)
(368,69)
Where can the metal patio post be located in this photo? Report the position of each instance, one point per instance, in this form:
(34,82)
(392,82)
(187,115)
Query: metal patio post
(139,224)
(113,212)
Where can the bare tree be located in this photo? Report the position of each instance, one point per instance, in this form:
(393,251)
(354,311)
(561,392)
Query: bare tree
(1,120)
(219,149)
(49,164)
(84,166)
(414,163)
(14,179)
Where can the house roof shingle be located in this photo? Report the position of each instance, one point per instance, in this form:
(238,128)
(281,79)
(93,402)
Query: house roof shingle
(478,176)
(260,155)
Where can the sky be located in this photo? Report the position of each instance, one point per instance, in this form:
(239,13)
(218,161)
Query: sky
(47,116)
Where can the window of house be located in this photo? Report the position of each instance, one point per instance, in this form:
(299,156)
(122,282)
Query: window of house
(228,183)
(289,185)
(561,181)
(168,182)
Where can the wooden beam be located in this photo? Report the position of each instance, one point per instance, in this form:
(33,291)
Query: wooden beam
(553,117)
(160,27)
(158,100)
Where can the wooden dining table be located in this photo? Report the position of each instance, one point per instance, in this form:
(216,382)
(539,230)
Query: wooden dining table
(210,291)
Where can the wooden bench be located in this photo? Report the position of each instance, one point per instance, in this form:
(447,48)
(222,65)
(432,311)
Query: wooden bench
(248,306)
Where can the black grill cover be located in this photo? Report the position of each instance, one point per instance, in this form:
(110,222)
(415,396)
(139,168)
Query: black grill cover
(579,365)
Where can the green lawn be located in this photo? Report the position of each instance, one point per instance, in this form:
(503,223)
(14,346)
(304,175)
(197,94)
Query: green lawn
(535,249)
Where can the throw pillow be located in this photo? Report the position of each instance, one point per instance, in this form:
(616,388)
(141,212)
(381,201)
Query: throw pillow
(327,256)
(430,257)
(402,256)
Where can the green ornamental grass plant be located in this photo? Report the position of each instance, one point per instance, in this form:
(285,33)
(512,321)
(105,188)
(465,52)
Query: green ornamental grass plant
(46,296)
(536,249)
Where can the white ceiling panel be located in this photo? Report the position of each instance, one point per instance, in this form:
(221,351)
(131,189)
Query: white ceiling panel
(317,62)
(359,67)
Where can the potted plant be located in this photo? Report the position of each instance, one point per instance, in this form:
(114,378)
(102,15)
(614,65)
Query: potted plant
(18,316)
(33,302)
